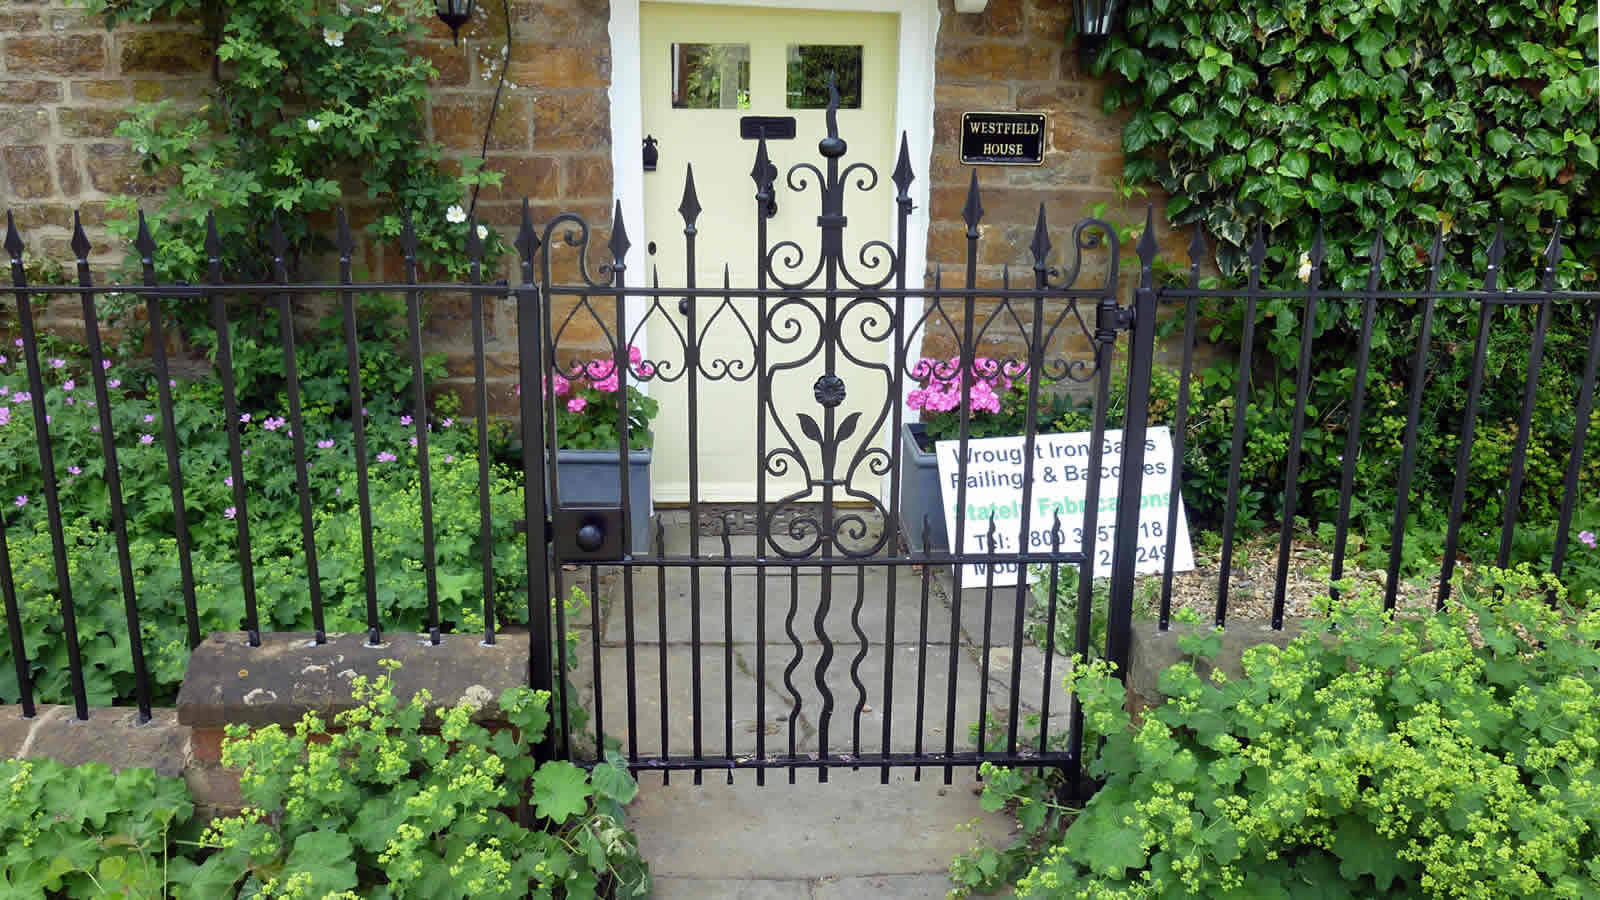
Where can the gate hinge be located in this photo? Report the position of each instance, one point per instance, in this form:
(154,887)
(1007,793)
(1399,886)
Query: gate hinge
(1110,319)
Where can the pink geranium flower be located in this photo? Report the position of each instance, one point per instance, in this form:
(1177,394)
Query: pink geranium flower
(576,404)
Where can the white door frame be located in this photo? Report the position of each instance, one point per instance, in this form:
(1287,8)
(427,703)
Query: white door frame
(919,32)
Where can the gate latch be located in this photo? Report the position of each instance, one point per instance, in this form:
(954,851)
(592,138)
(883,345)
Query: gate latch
(588,532)
(1111,318)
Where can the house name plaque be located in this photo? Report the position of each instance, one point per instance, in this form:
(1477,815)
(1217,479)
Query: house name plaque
(1002,138)
(1061,473)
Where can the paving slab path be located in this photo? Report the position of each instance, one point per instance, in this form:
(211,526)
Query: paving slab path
(852,836)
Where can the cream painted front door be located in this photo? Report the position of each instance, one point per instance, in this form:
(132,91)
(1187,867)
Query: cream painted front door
(704,68)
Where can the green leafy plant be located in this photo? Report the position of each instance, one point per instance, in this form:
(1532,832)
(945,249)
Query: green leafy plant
(375,807)
(85,831)
(1447,756)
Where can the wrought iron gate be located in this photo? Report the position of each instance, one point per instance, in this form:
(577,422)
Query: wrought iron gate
(696,607)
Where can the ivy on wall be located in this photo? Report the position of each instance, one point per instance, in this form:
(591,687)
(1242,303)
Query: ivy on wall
(1399,114)
(1399,118)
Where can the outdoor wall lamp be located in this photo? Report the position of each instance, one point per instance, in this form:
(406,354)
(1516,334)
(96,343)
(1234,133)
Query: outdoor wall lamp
(1094,21)
(454,13)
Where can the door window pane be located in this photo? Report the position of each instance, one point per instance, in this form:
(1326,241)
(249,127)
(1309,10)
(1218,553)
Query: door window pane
(809,65)
(711,76)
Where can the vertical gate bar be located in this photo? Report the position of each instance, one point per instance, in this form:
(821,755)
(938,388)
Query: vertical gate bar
(629,661)
(689,209)
(1530,390)
(1408,453)
(297,436)
(1580,433)
(594,640)
(169,433)
(1302,387)
(861,654)
(480,387)
(619,360)
(972,213)
(830,223)
(113,472)
(1104,349)
(661,648)
(47,470)
(358,416)
(988,621)
(1034,361)
(799,653)
(424,474)
(230,407)
(1056,536)
(558,636)
(727,638)
(902,179)
(922,648)
(1469,419)
(759,172)
(1130,485)
(1358,400)
(536,550)
(1180,428)
(19,650)
(1241,404)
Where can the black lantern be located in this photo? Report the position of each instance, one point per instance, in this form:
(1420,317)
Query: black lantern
(1094,21)
(455,14)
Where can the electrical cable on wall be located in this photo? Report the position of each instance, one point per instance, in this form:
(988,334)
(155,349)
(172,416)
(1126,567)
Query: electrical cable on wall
(494,105)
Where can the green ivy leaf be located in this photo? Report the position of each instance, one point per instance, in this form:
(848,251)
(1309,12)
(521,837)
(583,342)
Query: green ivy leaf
(1201,131)
(560,790)
(1500,141)
(1295,164)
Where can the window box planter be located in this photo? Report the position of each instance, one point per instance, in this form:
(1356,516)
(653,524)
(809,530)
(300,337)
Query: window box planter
(919,492)
(592,478)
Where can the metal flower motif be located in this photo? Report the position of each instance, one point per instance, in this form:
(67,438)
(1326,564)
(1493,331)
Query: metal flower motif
(829,391)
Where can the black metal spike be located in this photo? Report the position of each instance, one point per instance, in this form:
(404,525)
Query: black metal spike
(619,235)
(973,211)
(1497,250)
(277,241)
(761,171)
(1552,257)
(474,243)
(408,237)
(1197,245)
(142,241)
(14,245)
(1041,240)
(902,169)
(343,240)
(1258,247)
(213,240)
(80,241)
(1435,253)
(1319,251)
(689,207)
(1147,241)
(527,240)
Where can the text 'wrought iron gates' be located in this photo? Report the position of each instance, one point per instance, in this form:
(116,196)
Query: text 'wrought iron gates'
(792,628)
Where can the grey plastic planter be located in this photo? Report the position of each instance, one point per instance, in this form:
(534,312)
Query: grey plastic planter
(591,478)
(919,493)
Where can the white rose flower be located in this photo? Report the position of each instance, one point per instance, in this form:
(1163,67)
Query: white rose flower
(455,214)
(332,38)
(344,8)
(483,233)
(375,8)
(1305,267)
(313,126)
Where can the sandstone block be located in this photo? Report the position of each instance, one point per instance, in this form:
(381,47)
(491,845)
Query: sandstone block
(74,54)
(28,171)
(29,91)
(164,53)
(980,62)
(555,67)
(572,121)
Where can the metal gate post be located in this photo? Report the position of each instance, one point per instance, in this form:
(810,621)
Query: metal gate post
(1125,540)
(530,341)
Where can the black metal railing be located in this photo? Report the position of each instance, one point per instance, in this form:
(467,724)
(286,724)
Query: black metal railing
(826,476)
